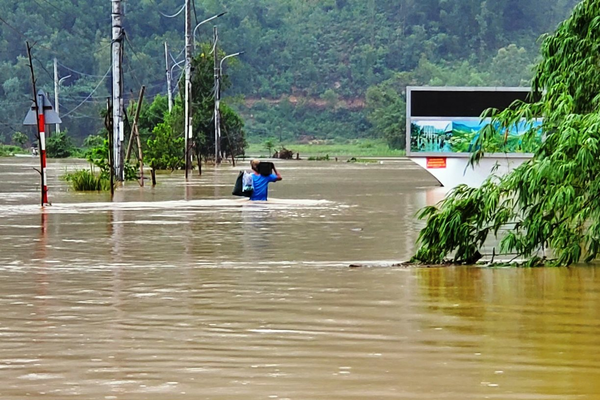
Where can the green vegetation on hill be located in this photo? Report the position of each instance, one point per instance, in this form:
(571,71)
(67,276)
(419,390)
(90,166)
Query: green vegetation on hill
(323,68)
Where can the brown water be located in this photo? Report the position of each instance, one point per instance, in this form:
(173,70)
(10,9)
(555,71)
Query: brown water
(183,292)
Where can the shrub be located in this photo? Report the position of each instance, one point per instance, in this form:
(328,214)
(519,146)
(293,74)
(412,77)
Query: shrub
(59,145)
(84,180)
(19,138)
(8,151)
(319,158)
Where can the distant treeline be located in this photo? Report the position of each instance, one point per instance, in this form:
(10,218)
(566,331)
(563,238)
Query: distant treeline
(332,69)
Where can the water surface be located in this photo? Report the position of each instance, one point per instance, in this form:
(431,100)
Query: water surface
(184,292)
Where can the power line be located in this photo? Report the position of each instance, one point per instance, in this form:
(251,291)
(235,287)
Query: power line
(195,15)
(50,14)
(174,15)
(55,7)
(14,29)
(78,72)
(34,43)
(13,102)
(78,100)
(10,125)
(90,95)
(44,68)
(23,36)
(131,47)
(81,116)
(130,70)
(178,55)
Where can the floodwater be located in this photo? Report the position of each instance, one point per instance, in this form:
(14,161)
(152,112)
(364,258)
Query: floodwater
(182,291)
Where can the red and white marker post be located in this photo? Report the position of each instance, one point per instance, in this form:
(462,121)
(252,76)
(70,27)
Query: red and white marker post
(41,114)
(42,132)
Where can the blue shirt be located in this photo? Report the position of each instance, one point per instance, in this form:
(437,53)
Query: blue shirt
(261,186)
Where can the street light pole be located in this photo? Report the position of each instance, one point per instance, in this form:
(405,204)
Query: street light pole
(169,90)
(188,84)
(172,90)
(189,48)
(57,83)
(206,20)
(218,105)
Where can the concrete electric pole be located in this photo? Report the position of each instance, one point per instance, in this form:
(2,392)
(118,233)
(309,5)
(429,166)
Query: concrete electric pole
(57,83)
(188,84)
(216,110)
(117,90)
(169,93)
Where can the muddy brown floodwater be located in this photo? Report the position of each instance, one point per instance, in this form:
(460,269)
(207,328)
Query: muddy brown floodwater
(184,292)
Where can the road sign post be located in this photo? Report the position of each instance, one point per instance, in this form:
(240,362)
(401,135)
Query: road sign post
(40,114)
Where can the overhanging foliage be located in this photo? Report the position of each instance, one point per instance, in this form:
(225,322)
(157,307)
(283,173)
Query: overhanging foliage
(553,200)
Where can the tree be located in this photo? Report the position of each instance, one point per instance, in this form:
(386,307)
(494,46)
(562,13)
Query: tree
(234,139)
(150,115)
(551,201)
(512,66)
(293,47)
(386,103)
(96,152)
(269,144)
(19,138)
(59,145)
(331,98)
(94,141)
(165,149)
(387,112)
(203,101)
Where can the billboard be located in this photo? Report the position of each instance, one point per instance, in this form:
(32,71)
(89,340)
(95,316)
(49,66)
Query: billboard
(457,136)
(446,122)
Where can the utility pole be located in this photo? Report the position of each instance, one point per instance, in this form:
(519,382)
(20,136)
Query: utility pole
(188,84)
(108,124)
(218,102)
(117,90)
(216,111)
(169,94)
(57,83)
(56,91)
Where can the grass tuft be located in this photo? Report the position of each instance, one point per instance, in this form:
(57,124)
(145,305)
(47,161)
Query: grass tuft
(86,181)
(353,148)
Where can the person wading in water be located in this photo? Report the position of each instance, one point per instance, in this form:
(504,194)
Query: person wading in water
(261,178)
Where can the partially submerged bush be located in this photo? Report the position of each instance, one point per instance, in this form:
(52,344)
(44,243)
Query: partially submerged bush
(9,151)
(86,180)
(319,158)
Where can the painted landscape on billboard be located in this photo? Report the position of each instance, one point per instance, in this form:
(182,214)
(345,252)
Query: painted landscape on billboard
(460,136)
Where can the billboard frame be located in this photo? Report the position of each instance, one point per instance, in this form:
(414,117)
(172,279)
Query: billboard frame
(409,117)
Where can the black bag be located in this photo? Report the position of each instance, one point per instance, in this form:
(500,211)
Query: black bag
(265,168)
(238,188)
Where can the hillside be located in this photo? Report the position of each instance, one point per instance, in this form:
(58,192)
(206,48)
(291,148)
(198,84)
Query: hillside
(316,62)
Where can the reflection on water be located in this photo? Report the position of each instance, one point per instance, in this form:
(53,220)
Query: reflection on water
(539,324)
(183,292)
